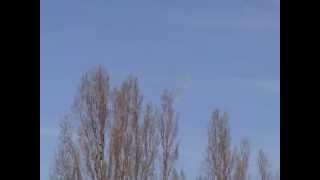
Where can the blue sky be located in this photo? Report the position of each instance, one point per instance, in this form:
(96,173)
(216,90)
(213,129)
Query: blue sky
(215,53)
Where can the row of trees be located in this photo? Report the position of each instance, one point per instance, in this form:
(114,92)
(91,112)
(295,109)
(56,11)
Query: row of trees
(111,135)
(221,163)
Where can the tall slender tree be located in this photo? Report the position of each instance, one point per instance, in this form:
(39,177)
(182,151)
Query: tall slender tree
(91,108)
(67,162)
(218,160)
(114,136)
(242,161)
(150,142)
(263,166)
(168,128)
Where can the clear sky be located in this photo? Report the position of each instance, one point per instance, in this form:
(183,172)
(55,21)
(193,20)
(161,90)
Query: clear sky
(216,53)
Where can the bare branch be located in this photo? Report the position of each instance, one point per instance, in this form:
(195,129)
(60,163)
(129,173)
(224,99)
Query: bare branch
(219,159)
(242,161)
(264,166)
(168,129)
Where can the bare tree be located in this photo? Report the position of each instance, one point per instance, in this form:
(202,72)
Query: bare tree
(178,176)
(219,159)
(67,162)
(175,175)
(242,161)
(91,108)
(119,140)
(263,166)
(135,111)
(126,134)
(150,141)
(168,128)
(182,175)
(200,177)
